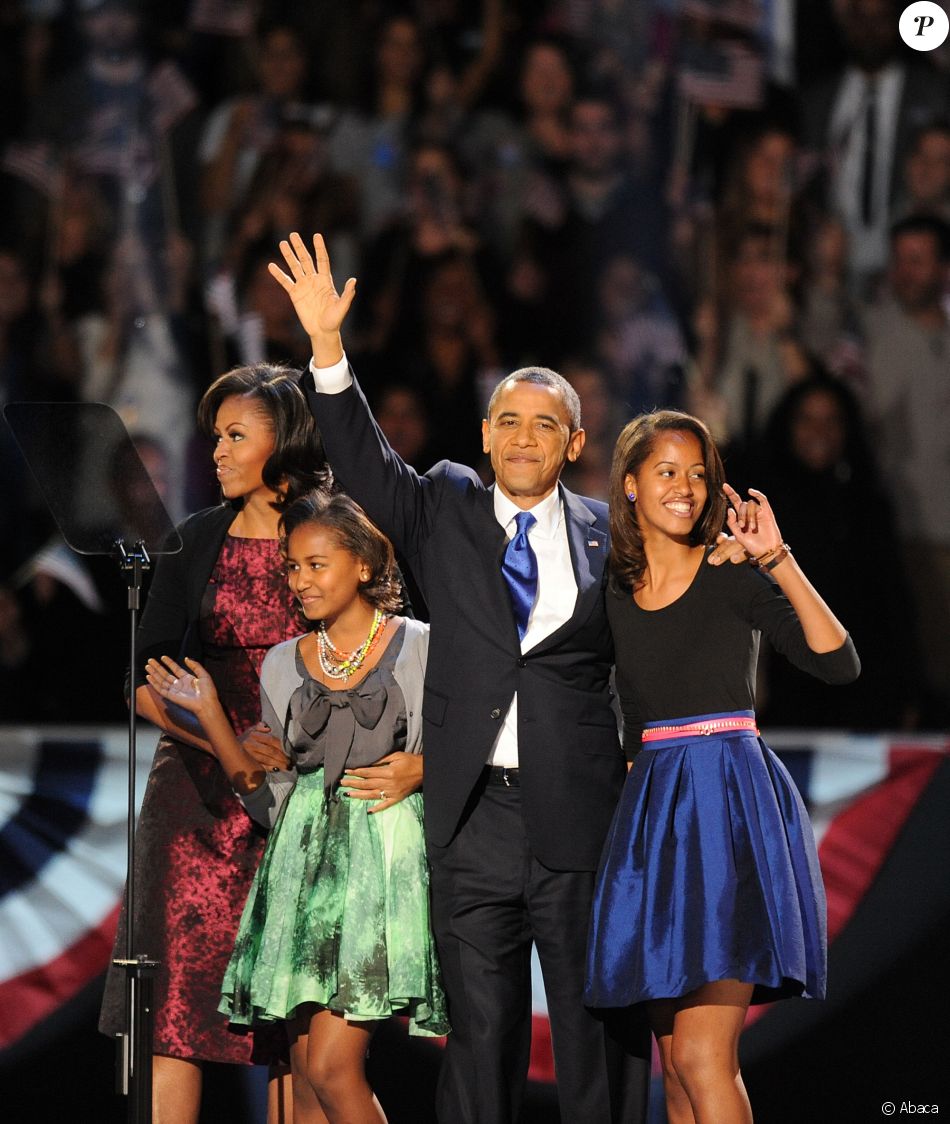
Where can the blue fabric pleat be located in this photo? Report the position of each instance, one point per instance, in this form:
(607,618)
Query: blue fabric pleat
(709,872)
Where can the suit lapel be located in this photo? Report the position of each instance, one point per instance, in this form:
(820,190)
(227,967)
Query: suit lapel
(487,529)
(588,545)
(588,548)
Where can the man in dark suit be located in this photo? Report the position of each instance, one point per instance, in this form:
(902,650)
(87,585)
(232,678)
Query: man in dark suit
(523,765)
(863,119)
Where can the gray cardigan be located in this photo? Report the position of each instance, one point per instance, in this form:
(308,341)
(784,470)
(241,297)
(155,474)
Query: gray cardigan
(280,678)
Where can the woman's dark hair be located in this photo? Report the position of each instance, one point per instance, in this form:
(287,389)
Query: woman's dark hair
(298,461)
(355,532)
(636,440)
(858,459)
(367,99)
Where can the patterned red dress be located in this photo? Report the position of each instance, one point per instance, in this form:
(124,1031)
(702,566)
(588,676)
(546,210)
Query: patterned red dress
(196,847)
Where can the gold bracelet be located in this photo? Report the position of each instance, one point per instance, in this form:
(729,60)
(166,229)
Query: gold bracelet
(756,561)
(781,553)
(766,559)
(771,550)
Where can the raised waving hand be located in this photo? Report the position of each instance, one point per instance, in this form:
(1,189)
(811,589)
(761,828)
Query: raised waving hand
(752,522)
(192,689)
(320,309)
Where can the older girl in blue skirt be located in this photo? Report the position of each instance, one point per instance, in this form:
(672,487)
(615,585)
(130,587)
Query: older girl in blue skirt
(709,894)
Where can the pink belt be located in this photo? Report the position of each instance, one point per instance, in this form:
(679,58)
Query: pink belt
(706,727)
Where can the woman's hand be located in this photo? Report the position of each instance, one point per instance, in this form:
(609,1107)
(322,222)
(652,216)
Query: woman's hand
(320,309)
(192,689)
(752,522)
(266,750)
(391,779)
(244,759)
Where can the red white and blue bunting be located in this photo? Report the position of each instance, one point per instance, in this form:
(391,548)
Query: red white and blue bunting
(63,860)
(63,803)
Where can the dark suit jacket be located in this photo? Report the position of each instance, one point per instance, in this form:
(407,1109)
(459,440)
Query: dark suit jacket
(444,525)
(925,98)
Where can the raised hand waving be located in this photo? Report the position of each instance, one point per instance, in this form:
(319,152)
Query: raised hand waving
(320,309)
(752,522)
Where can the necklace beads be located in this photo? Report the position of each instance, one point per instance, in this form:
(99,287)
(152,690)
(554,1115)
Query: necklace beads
(337,664)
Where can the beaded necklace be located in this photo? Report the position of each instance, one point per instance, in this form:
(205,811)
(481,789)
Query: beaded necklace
(337,664)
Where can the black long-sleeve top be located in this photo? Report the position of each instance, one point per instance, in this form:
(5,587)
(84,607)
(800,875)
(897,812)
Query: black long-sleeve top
(698,655)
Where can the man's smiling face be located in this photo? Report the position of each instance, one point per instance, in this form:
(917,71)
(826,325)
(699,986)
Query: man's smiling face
(529,439)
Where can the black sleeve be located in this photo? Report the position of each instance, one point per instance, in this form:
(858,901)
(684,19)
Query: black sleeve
(164,626)
(770,611)
(400,502)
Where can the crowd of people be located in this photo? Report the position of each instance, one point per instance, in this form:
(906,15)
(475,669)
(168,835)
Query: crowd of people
(677,204)
(669,204)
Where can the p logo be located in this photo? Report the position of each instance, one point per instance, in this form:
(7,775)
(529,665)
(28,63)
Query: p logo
(924,25)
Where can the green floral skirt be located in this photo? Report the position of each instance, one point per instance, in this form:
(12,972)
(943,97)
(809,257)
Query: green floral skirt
(338,915)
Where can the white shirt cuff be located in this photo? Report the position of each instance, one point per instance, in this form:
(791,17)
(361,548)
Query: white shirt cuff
(331,380)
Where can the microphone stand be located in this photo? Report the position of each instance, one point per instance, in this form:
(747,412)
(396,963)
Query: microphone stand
(134,1061)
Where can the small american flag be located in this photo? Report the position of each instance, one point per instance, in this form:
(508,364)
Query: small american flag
(102,158)
(172,96)
(724,73)
(222,17)
(746,15)
(111,147)
(35,163)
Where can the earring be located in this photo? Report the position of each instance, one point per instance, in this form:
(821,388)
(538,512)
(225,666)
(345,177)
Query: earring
(632,497)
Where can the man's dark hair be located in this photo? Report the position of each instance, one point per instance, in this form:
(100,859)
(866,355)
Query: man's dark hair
(925,224)
(543,376)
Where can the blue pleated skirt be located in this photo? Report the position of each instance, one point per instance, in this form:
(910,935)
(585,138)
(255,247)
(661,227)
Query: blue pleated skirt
(709,872)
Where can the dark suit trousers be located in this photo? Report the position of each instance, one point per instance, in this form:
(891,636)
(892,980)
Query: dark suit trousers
(491,899)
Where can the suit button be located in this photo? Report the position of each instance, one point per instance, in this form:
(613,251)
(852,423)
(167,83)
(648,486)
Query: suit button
(496,713)
(522,663)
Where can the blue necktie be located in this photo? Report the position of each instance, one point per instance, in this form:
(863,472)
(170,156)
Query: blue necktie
(520,570)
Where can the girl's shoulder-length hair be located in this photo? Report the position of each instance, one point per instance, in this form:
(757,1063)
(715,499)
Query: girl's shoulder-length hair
(636,440)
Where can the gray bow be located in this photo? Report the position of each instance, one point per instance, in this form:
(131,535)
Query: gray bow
(312,708)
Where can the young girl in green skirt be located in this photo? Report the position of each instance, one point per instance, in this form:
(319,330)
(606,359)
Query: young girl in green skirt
(335,935)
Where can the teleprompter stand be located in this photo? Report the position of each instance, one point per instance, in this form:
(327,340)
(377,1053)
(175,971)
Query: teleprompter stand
(134,1063)
(104,502)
